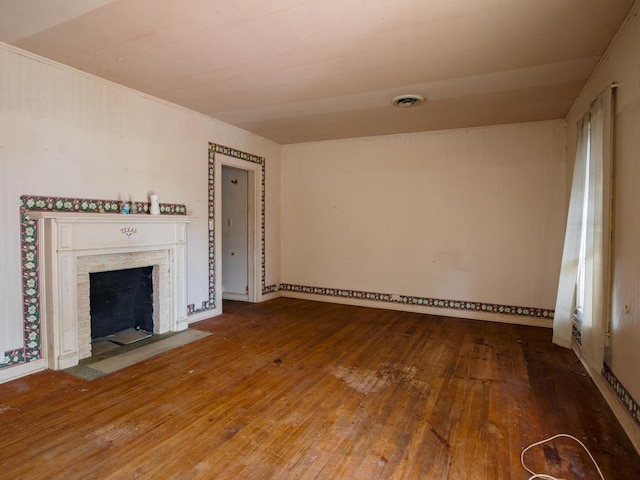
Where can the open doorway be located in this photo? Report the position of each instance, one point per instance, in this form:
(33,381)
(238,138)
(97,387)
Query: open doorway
(238,212)
(235,233)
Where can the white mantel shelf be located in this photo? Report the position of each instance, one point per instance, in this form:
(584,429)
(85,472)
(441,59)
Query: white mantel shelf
(109,217)
(75,244)
(82,231)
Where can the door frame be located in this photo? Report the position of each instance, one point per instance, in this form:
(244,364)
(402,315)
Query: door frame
(254,172)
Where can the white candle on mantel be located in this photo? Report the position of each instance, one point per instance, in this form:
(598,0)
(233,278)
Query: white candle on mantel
(154,208)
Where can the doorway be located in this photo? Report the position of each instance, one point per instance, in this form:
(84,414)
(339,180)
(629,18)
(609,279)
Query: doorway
(235,234)
(238,251)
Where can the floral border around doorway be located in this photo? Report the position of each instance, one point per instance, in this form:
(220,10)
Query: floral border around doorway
(214,148)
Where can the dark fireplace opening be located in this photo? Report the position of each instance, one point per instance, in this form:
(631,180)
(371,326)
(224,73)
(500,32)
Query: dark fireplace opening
(121,300)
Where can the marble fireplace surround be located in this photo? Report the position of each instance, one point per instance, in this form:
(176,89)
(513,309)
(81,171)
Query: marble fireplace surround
(77,244)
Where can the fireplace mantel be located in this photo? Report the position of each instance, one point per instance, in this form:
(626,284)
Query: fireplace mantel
(76,244)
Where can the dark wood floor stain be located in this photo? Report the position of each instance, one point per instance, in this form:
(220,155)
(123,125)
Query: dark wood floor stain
(291,389)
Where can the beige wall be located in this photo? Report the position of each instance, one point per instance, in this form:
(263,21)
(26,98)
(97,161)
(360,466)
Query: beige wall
(622,65)
(471,215)
(66,133)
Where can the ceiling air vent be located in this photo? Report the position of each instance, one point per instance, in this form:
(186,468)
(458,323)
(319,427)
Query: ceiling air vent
(406,101)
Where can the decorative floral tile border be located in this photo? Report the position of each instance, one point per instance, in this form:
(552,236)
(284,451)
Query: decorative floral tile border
(622,393)
(32,349)
(270,289)
(32,337)
(422,301)
(86,205)
(214,148)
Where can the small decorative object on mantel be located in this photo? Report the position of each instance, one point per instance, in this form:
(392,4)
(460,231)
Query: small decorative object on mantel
(124,208)
(154,208)
(134,208)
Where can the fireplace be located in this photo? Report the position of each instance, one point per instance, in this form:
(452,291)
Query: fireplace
(158,260)
(121,300)
(77,245)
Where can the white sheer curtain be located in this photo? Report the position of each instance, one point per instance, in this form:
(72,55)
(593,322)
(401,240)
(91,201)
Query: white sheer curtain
(595,142)
(565,301)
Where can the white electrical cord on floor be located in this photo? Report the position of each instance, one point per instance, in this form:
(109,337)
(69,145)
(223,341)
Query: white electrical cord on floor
(549,477)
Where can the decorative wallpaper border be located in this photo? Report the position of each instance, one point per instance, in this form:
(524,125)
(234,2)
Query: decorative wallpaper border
(29,247)
(270,289)
(214,148)
(86,205)
(622,393)
(32,331)
(422,301)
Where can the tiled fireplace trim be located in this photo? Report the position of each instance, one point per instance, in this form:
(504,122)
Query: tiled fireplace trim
(622,393)
(32,349)
(422,301)
(214,148)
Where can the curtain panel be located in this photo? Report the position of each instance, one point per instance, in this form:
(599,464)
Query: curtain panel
(592,169)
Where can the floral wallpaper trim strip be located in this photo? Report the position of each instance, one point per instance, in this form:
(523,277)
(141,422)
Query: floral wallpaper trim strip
(422,301)
(32,331)
(628,402)
(32,325)
(66,204)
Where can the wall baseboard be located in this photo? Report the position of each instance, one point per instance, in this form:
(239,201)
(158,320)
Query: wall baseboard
(631,428)
(22,370)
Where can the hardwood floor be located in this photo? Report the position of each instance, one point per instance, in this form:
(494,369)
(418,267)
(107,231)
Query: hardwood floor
(291,389)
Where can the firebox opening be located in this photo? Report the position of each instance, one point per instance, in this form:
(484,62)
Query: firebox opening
(121,301)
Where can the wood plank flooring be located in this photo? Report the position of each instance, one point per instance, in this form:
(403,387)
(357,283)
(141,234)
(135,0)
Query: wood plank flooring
(292,389)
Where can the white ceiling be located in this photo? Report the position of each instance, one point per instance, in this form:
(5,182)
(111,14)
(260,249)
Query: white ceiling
(304,70)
